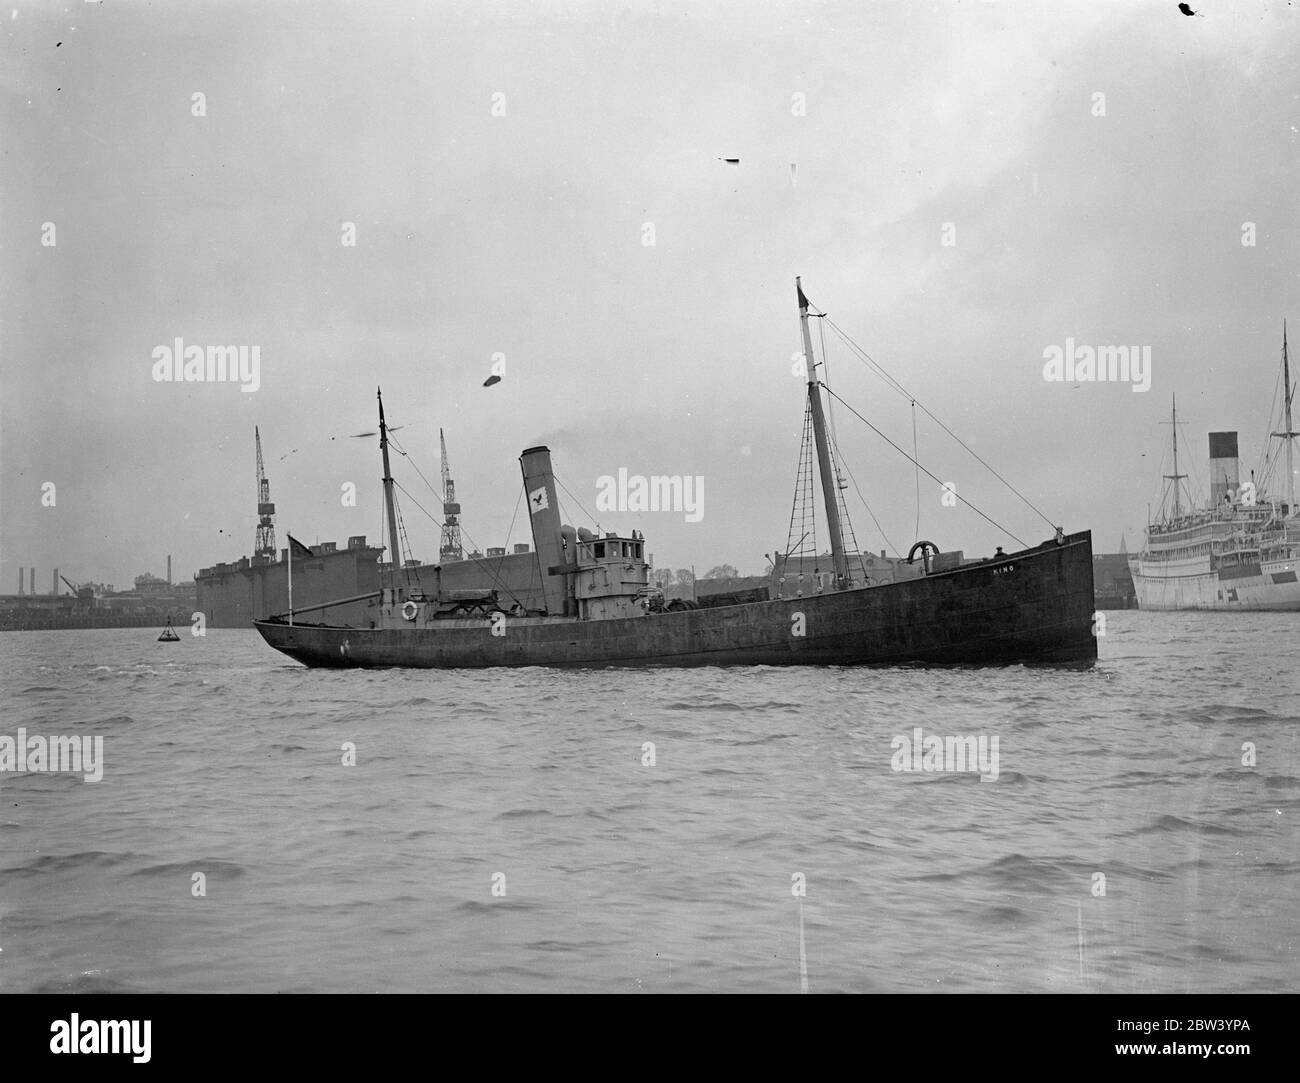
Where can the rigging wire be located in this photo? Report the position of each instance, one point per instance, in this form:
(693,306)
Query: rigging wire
(826,369)
(560,507)
(870,512)
(1159,483)
(381,535)
(509,533)
(880,371)
(406,547)
(836,459)
(580,504)
(402,452)
(1270,460)
(477,560)
(905,455)
(803,506)
(494,573)
(1176,489)
(916,531)
(839,461)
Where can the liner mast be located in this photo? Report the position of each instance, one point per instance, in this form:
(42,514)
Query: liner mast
(1290,434)
(1175,476)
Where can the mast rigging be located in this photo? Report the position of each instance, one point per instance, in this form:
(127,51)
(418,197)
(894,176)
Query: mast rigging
(395,552)
(1289,434)
(1175,476)
(830,490)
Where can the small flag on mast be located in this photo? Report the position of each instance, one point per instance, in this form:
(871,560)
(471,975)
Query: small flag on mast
(296,549)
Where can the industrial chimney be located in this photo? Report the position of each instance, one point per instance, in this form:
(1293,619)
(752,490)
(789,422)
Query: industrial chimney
(22,575)
(31,572)
(1223,467)
(169,569)
(55,589)
(544,515)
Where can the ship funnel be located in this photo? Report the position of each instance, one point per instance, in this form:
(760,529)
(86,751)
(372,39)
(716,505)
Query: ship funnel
(1223,467)
(548,539)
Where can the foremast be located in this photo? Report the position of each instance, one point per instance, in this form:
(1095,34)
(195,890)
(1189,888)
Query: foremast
(1289,434)
(395,554)
(1175,477)
(830,492)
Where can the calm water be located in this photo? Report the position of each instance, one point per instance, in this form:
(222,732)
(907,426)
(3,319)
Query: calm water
(223,758)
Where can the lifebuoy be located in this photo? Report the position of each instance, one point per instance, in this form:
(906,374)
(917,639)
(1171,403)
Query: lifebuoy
(410,610)
(926,547)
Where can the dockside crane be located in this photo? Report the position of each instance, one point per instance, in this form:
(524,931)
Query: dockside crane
(264,546)
(450,548)
(84,594)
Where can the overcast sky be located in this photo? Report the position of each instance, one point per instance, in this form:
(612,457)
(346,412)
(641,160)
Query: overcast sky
(867,133)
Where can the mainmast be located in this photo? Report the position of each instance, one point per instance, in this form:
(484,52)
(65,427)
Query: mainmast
(1289,435)
(830,492)
(1176,476)
(395,554)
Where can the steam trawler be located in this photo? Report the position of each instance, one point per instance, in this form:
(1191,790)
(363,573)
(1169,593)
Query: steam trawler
(600,609)
(1241,551)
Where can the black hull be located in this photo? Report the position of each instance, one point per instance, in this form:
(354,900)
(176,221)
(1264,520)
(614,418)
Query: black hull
(1031,607)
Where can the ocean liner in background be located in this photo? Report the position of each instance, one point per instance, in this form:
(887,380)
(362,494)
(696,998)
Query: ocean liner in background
(1242,550)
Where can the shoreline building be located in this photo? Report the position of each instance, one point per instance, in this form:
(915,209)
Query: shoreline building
(71,605)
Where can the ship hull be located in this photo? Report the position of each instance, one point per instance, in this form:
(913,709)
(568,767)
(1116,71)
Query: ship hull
(1032,607)
(1268,587)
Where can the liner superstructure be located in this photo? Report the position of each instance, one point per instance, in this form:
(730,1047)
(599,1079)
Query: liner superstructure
(1241,551)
